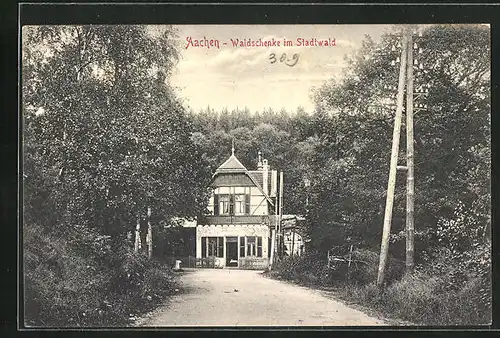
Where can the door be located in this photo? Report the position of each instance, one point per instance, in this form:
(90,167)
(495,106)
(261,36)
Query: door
(232,251)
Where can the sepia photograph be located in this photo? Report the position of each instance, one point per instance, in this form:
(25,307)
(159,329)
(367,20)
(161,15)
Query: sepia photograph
(306,175)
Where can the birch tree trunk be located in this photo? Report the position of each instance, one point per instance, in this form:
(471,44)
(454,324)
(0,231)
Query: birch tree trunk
(137,244)
(150,235)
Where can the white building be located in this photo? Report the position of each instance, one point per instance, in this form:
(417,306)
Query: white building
(236,233)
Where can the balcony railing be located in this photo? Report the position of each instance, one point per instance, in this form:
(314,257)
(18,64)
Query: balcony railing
(237,219)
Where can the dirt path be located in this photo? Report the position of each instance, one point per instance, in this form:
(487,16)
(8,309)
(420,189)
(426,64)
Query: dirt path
(224,297)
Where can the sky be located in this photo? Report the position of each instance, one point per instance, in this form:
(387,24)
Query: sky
(238,77)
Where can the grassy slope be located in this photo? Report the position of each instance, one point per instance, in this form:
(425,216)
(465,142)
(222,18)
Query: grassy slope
(73,281)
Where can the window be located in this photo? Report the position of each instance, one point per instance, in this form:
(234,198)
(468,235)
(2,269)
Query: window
(203,247)
(239,204)
(232,203)
(224,204)
(242,246)
(212,246)
(220,246)
(251,246)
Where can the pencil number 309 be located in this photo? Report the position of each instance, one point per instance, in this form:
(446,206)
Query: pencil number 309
(284,59)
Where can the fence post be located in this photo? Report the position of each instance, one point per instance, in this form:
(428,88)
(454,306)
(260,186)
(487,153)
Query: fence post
(349,263)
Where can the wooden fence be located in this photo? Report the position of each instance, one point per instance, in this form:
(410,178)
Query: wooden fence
(251,263)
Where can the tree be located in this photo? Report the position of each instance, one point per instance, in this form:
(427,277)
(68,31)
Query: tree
(104,128)
(452,136)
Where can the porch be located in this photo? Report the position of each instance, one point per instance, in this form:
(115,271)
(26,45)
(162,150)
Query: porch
(243,246)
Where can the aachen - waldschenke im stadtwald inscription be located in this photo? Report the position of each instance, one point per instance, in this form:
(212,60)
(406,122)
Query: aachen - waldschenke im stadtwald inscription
(237,42)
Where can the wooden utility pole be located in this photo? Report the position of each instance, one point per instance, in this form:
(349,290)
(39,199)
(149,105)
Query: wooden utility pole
(280,248)
(150,235)
(273,234)
(410,185)
(273,239)
(384,247)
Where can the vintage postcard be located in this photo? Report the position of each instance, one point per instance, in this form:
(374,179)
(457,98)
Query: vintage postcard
(256,175)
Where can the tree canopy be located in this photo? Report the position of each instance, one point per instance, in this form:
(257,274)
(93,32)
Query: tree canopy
(343,148)
(104,136)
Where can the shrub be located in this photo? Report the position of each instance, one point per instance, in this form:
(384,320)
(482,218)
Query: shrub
(366,294)
(364,269)
(308,269)
(442,293)
(419,298)
(80,278)
(312,268)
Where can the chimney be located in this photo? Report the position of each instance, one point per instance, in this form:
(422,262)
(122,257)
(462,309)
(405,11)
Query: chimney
(259,164)
(265,176)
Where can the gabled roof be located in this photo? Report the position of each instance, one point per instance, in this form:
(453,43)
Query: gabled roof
(257,176)
(232,164)
(260,189)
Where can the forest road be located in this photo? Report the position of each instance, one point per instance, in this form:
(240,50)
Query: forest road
(227,297)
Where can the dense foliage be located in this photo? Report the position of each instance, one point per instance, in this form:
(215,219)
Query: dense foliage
(78,279)
(104,138)
(100,120)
